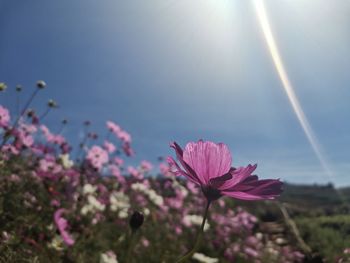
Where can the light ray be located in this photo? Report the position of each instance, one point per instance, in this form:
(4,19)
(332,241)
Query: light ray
(288,87)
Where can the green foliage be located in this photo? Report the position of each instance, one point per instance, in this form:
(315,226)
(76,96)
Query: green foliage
(328,235)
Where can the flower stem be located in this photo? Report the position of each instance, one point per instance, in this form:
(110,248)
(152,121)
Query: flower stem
(131,246)
(44,114)
(199,235)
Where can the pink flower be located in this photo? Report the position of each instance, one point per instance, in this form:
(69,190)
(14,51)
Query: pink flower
(127,149)
(4,117)
(109,147)
(209,165)
(62,225)
(118,161)
(113,127)
(146,166)
(124,136)
(97,157)
(115,171)
(8,148)
(135,173)
(52,138)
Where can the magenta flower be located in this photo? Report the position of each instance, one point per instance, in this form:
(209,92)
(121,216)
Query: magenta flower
(97,157)
(113,127)
(109,147)
(4,117)
(62,226)
(208,165)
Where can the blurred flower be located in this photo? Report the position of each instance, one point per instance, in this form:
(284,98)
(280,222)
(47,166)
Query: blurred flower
(109,147)
(190,220)
(152,195)
(108,257)
(146,166)
(113,127)
(4,117)
(97,157)
(52,138)
(62,225)
(89,189)
(65,161)
(204,259)
(121,203)
(57,243)
(209,165)
(93,205)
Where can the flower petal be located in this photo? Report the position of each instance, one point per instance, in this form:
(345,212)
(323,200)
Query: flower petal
(179,155)
(238,175)
(207,159)
(255,189)
(176,169)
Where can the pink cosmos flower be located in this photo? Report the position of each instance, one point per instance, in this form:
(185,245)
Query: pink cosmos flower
(113,127)
(62,225)
(4,117)
(52,138)
(124,136)
(127,149)
(109,147)
(146,166)
(97,157)
(135,173)
(8,148)
(209,165)
(118,161)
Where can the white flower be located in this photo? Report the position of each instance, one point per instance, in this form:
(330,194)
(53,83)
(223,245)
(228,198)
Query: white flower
(93,206)
(120,202)
(139,187)
(150,193)
(146,211)
(108,257)
(65,161)
(89,189)
(204,259)
(190,220)
(57,243)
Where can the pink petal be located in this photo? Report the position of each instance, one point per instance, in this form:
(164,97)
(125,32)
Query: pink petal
(207,159)
(246,196)
(238,175)
(178,171)
(179,155)
(256,190)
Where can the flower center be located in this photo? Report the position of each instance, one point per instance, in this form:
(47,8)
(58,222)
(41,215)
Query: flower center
(211,193)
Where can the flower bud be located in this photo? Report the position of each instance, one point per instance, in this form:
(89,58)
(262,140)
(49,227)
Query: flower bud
(18,88)
(52,104)
(41,84)
(87,123)
(3,86)
(30,113)
(136,220)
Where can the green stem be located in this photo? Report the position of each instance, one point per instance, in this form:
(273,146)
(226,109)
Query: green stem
(189,254)
(44,114)
(131,246)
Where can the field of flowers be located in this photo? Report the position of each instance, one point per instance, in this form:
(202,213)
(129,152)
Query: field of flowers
(81,203)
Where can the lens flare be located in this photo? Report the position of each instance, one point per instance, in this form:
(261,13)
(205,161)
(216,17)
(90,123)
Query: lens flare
(288,87)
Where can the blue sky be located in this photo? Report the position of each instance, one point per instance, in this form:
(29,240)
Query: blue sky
(185,70)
